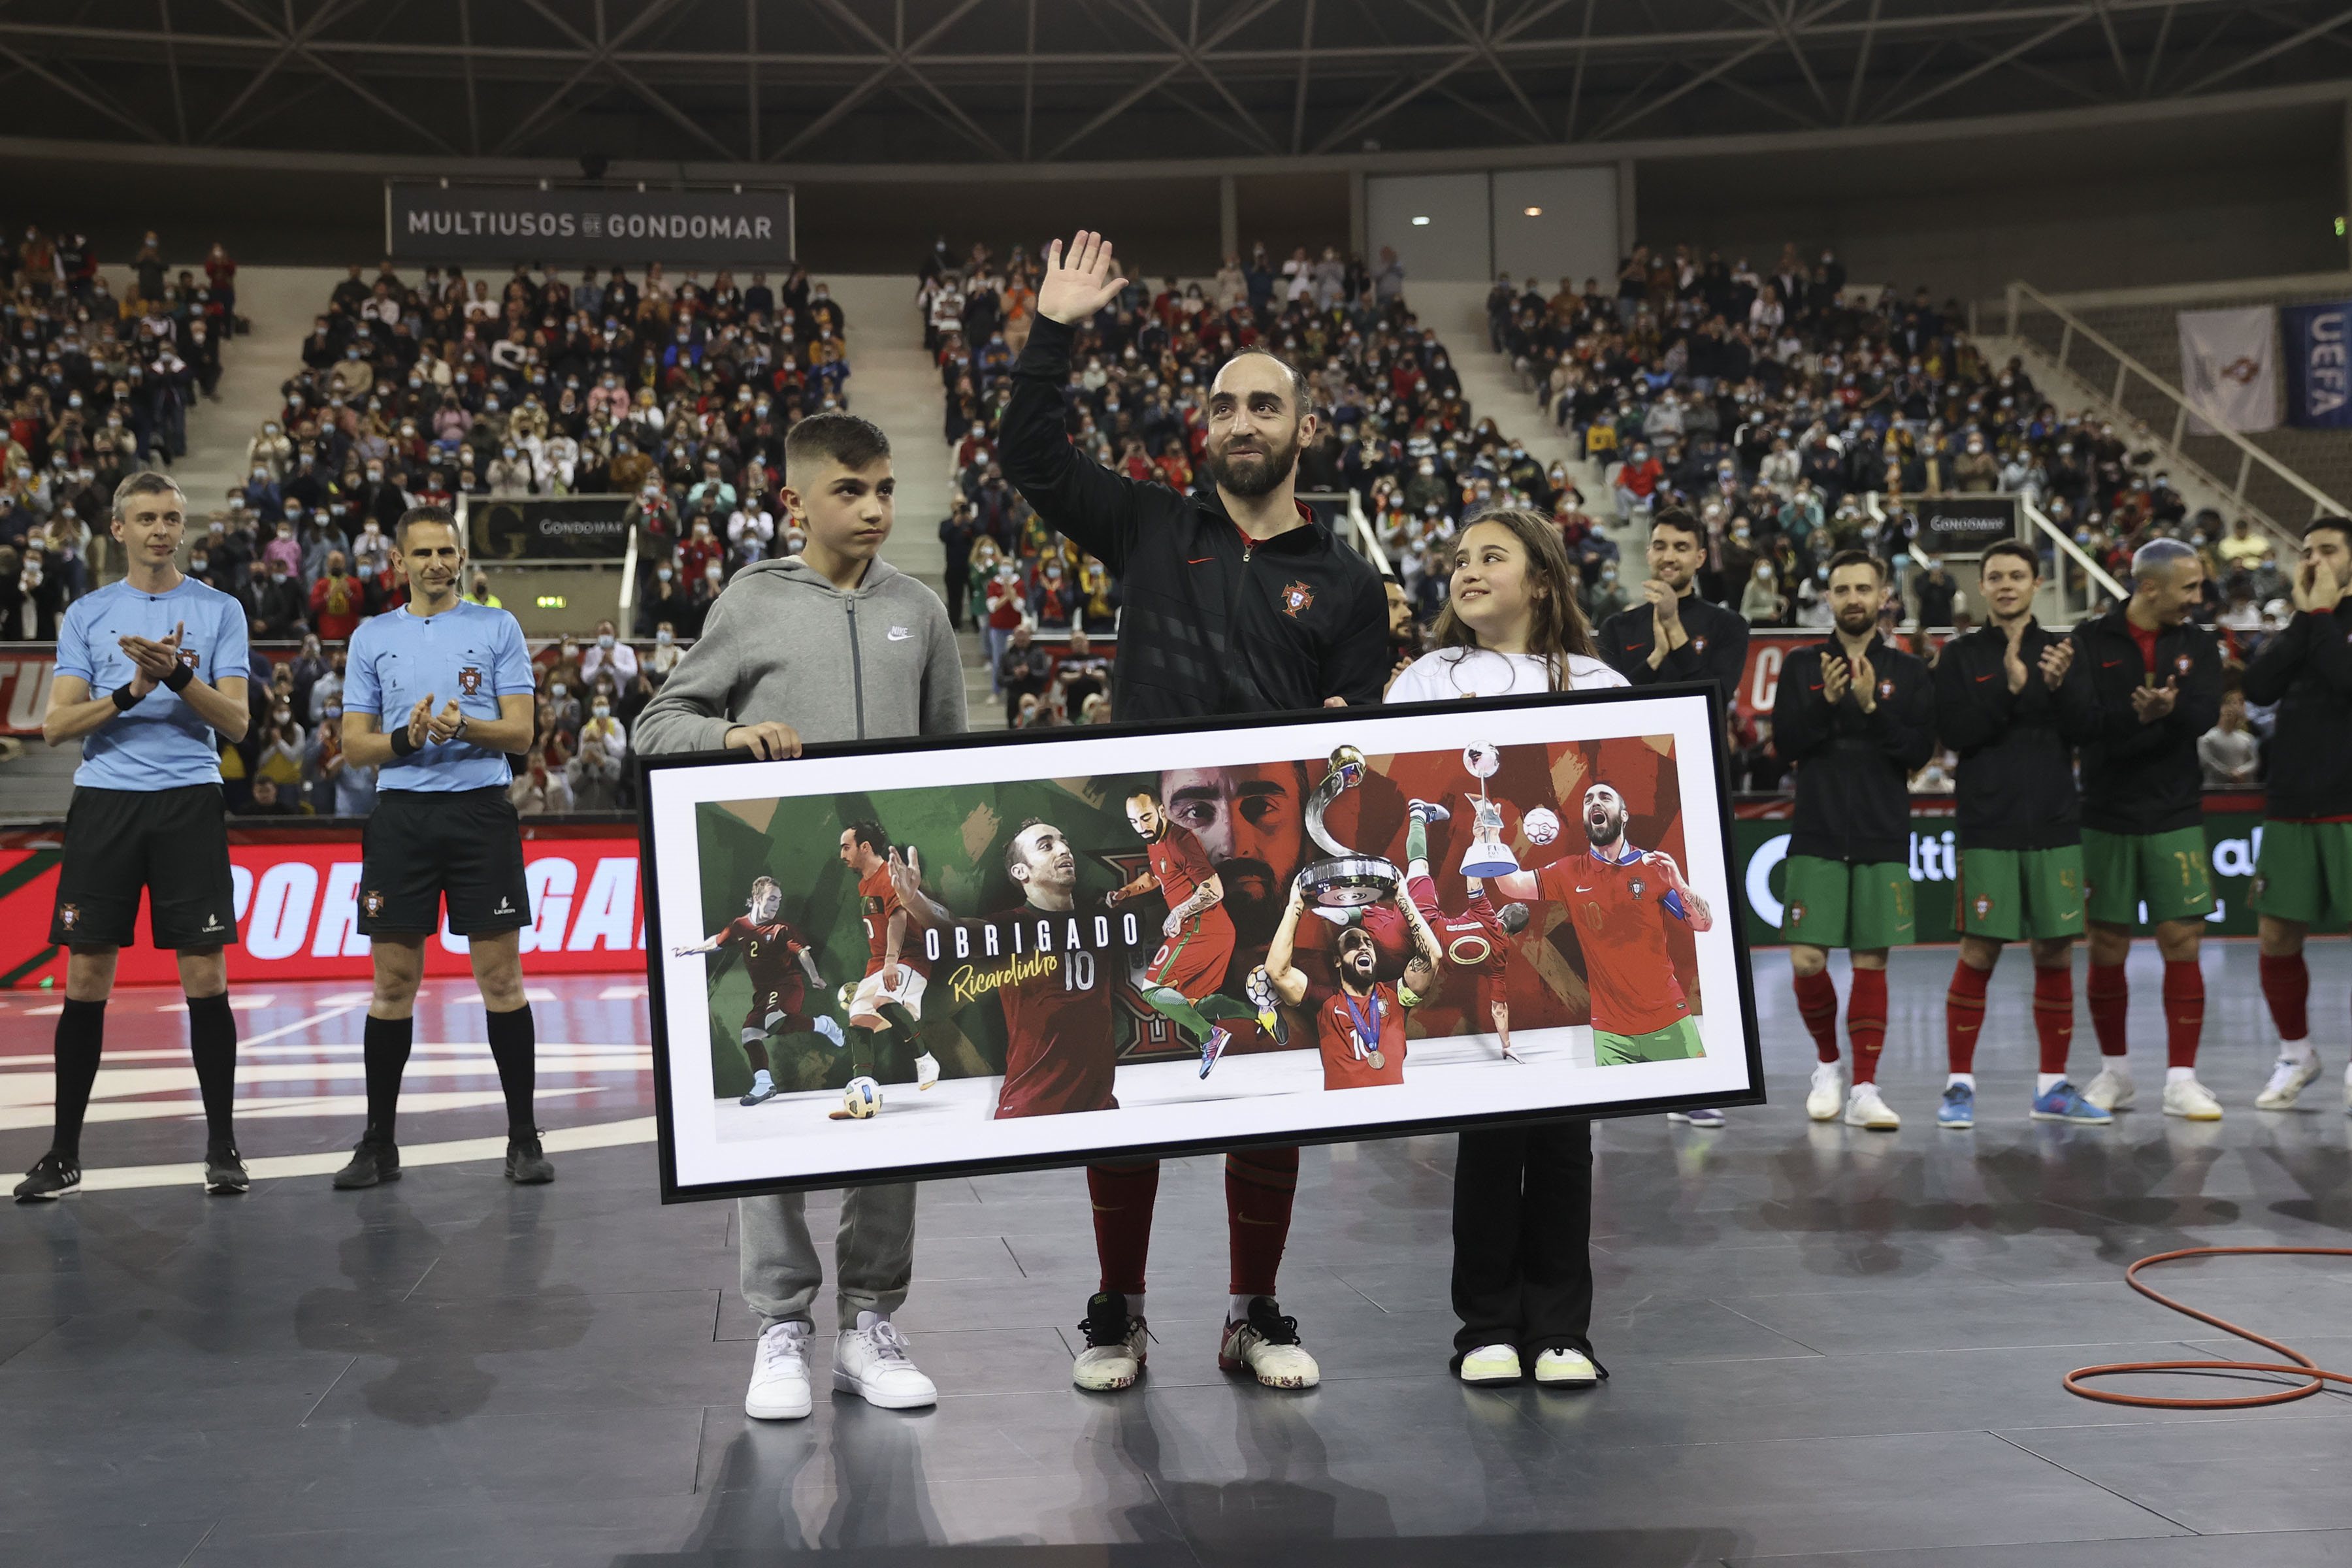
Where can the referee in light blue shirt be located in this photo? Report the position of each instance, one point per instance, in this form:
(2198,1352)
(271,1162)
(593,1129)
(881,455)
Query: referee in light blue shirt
(149,669)
(437,695)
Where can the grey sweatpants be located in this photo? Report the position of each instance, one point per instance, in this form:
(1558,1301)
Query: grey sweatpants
(874,1254)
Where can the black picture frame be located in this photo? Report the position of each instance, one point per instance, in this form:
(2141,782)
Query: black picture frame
(657,946)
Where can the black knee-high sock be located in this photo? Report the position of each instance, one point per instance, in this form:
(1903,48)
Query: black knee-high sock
(211,1041)
(862,1060)
(81,1034)
(905,1033)
(515,1044)
(386,1054)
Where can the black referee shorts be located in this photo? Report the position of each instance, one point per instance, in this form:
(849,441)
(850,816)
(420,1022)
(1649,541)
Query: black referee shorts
(172,842)
(423,845)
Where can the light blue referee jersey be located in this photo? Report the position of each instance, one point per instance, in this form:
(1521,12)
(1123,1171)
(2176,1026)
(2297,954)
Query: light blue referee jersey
(161,743)
(469,652)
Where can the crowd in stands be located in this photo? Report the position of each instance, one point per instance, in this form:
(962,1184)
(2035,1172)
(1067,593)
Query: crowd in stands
(97,384)
(676,393)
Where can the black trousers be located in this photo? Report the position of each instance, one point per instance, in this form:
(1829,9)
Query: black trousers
(1522,1237)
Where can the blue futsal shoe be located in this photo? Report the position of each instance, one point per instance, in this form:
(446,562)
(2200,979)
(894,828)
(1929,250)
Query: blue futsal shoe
(1959,1110)
(2064,1102)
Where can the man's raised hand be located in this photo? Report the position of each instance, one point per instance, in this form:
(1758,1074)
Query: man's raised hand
(1080,282)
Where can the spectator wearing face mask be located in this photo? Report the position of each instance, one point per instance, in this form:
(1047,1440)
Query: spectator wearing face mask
(595,771)
(338,601)
(511,473)
(703,593)
(275,603)
(559,707)
(662,602)
(332,785)
(665,652)
(542,788)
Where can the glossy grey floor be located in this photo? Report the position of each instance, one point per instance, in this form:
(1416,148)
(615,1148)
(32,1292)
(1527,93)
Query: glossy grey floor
(1828,1347)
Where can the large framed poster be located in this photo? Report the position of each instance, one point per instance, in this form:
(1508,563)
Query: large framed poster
(1128,941)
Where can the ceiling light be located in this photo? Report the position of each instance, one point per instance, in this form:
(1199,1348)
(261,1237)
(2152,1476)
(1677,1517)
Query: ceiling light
(1535,212)
(1420,222)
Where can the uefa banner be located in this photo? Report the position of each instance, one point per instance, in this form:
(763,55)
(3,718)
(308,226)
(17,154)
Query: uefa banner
(2318,374)
(594,226)
(297,902)
(2233,838)
(1146,940)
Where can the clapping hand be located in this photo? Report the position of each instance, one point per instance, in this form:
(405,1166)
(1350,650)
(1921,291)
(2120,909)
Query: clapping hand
(420,721)
(2151,703)
(1866,685)
(154,660)
(1837,679)
(1075,289)
(2012,659)
(1665,607)
(443,725)
(2056,661)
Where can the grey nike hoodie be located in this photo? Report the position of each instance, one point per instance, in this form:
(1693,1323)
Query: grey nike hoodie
(783,645)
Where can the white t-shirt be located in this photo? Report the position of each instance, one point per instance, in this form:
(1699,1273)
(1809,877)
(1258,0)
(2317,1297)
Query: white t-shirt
(1480,672)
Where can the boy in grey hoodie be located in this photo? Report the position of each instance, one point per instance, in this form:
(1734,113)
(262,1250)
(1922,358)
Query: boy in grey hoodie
(832,644)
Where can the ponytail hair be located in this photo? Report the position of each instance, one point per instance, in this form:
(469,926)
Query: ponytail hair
(1558,628)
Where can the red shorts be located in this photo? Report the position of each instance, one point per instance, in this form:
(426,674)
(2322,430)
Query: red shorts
(780,1003)
(1194,961)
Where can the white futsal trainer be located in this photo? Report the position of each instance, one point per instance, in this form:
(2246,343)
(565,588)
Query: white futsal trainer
(780,1379)
(2112,1089)
(1491,1364)
(1264,1344)
(1826,1098)
(1865,1108)
(2291,1075)
(1117,1343)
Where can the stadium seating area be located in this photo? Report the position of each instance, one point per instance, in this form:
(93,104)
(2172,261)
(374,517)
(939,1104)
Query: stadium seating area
(1773,404)
(97,384)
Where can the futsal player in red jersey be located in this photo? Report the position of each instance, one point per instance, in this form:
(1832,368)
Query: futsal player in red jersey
(1360,1023)
(1183,980)
(890,997)
(1478,937)
(782,968)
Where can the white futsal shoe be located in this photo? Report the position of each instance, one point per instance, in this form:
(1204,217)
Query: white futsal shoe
(1865,1108)
(1116,1344)
(1565,1368)
(1491,1364)
(1827,1097)
(927,1071)
(780,1379)
(1265,1346)
(2112,1089)
(2288,1080)
(2191,1100)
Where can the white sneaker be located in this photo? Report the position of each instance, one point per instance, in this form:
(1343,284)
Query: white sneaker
(1823,1101)
(2287,1081)
(831,1031)
(1116,1345)
(779,1380)
(1265,1346)
(870,1361)
(2192,1100)
(1864,1108)
(1565,1368)
(927,1071)
(1491,1364)
(2111,1090)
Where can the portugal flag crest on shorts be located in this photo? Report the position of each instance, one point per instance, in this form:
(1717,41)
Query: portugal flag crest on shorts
(374,904)
(1983,905)
(469,679)
(70,915)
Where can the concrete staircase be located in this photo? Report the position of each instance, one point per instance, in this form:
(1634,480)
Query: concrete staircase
(894,382)
(1457,313)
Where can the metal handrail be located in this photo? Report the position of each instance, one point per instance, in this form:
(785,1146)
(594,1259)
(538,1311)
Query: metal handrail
(2071,551)
(2322,504)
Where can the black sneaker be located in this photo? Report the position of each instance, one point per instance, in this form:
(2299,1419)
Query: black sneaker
(224,1170)
(54,1176)
(373,1160)
(527,1164)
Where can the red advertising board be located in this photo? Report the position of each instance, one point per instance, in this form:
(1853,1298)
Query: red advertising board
(296,909)
(24,671)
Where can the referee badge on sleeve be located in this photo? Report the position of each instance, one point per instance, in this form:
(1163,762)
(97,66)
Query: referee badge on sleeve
(469,679)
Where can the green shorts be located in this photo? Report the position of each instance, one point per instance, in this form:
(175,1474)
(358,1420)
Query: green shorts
(1864,906)
(1676,1042)
(2169,872)
(2010,895)
(2304,873)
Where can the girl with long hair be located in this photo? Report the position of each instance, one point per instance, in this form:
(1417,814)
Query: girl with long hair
(1522,1195)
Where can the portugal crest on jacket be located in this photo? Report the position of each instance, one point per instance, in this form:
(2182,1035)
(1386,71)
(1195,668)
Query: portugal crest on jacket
(1296,599)
(2182,663)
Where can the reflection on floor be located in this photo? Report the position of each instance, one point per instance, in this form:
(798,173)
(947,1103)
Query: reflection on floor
(1828,1346)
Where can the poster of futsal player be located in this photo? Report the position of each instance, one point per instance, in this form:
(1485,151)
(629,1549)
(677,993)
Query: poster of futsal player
(927,957)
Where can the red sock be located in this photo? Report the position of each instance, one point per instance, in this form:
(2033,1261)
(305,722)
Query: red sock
(2184,1012)
(1866,1021)
(2110,998)
(1123,1197)
(2286,986)
(1817,1006)
(1964,1006)
(2053,1016)
(1259,1187)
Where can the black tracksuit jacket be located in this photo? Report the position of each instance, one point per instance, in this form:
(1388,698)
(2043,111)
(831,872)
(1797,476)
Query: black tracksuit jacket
(2145,778)
(2016,785)
(1853,769)
(1717,651)
(2307,669)
(1212,623)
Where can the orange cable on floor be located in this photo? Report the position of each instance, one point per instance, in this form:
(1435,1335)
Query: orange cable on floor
(2303,1366)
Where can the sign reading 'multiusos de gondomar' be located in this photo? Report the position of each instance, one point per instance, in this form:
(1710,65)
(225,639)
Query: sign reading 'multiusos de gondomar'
(431,222)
